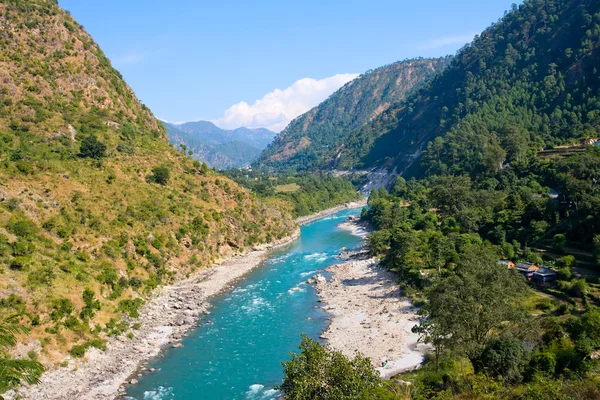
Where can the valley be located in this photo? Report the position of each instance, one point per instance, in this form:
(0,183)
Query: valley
(428,229)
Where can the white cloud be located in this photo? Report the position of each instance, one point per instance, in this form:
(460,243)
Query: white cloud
(447,41)
(276,109)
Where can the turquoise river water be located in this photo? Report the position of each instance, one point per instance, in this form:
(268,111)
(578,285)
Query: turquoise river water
(236,352)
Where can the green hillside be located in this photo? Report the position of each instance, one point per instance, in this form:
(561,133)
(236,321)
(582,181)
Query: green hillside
(308,141)
(529,80)
(96,208)
(482,191)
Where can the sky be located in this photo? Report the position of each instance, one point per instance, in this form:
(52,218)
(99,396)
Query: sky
(261,63)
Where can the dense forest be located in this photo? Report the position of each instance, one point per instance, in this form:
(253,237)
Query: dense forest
(307,141)
(298,194)
(492,334)
(486,192)
(529,80)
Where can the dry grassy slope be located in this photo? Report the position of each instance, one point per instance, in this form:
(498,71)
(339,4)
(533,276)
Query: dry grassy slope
(68,223)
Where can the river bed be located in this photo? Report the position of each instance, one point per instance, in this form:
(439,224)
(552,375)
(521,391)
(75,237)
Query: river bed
(237,350)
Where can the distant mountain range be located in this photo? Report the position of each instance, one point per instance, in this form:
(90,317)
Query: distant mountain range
(220,148)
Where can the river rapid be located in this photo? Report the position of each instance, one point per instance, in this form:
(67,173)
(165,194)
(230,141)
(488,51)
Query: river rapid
(236,351)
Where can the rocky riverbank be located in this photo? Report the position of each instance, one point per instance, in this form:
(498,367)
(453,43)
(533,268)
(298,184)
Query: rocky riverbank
(356,226)
(369,314)
(165,319)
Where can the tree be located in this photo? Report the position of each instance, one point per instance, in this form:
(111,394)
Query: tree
(14,372)
(467,310)
(92,148)
(597,248)
(160,175)
(505,357)
(317,373)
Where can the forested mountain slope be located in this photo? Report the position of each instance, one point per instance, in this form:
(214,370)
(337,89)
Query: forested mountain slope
(217,151)
(306,141)
(220,148)
(96,208)
(529,80)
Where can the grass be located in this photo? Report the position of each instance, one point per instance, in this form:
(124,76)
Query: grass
(289,188)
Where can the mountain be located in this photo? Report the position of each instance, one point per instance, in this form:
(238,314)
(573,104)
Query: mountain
(307,141)
(218,147)
(529,81)
(96,208)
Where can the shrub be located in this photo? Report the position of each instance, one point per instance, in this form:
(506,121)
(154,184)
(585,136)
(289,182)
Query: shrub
(125,148)
(108,275)
(160,175)
(506,357)
(61,308)
(78,351)
(23,228)
(19,264)
(92,148)
(559,241)
(131,307)
(317,373)
(566,262)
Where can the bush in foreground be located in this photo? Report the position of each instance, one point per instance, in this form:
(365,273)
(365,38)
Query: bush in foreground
(317,373)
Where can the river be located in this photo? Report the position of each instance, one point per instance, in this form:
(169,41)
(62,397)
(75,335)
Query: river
(236,351)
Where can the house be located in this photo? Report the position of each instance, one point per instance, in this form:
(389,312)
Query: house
(544,276)
(590,142)
(507,263)
(527,269)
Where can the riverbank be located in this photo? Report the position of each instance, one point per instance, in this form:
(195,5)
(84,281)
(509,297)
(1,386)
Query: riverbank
(167,316)
(369,314)
(330,211)
(355,226)
(164,320)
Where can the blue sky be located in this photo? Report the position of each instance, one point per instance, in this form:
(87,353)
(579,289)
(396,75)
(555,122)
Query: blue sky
(223,60)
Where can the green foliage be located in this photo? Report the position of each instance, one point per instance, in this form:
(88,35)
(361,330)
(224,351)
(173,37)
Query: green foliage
(313,140)
(131,307)
(23,228)
(91,147)
(308,194)
(468,308)
(160,175)
(108,276)
(61,309)
(505,357)
(91,305)
(317,373)
(519,86)
(78,351)
(14,372)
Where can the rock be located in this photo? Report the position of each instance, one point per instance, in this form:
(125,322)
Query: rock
(69,132)
(177,345)
(113,124)
(133,382)
(187,242)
